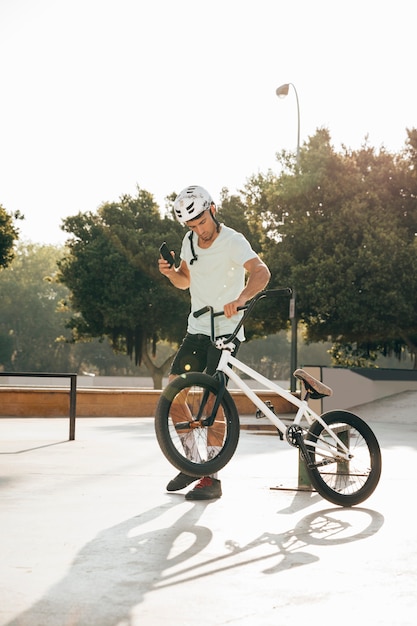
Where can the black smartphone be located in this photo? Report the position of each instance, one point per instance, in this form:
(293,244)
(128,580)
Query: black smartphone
(165,253)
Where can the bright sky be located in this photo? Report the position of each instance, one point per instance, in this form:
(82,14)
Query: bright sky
(99,96)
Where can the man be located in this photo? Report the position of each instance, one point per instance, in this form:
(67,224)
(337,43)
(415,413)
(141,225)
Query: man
(215,261)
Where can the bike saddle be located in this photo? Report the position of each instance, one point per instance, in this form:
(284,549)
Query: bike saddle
(315,388)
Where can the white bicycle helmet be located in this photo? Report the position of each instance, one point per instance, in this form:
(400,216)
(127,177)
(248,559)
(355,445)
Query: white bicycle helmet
(191,202)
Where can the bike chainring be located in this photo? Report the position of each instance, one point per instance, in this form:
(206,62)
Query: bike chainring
(294,434)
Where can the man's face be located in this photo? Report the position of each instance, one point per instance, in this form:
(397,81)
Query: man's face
(203,226)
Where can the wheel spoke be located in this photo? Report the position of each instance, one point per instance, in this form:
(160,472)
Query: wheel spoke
(191,436)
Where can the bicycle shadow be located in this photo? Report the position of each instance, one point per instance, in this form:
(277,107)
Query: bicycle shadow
(326,527)
(112,574)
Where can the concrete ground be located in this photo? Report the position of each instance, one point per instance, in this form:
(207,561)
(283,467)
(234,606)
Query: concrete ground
(90,537)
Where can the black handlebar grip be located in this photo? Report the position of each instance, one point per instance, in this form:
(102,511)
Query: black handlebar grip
(200,312)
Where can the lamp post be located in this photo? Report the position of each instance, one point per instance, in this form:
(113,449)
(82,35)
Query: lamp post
(282,92)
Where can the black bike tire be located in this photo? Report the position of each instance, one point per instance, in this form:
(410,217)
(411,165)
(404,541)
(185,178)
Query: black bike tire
(163,429)
(369,486)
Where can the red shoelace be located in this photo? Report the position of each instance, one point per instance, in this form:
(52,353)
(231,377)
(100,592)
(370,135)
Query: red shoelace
(206,481)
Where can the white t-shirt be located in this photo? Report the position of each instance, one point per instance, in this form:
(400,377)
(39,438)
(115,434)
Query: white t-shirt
(216,278)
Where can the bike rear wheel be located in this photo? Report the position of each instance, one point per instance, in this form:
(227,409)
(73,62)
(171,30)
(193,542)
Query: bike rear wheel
(185,439)
(343,482)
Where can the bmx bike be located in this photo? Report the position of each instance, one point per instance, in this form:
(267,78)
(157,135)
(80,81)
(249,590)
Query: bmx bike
(197,423)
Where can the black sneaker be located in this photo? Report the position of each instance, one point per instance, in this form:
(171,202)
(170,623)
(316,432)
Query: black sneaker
(206,489)
(180,481)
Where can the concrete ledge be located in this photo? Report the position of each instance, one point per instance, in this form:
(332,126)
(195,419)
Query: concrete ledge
(55,402)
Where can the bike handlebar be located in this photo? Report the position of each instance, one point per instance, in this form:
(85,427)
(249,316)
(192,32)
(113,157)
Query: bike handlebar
(206,309)
(282,291)
(285,291)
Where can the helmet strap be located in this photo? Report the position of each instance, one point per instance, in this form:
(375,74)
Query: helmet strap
(215,220)
(190,237)
(195,257)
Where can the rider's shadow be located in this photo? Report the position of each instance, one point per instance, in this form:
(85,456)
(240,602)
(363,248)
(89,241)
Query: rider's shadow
(113,572)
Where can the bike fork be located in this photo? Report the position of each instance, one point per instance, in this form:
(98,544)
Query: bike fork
(209,421)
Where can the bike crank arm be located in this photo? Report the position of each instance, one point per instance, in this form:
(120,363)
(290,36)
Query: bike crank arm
(295,438)
(303,450)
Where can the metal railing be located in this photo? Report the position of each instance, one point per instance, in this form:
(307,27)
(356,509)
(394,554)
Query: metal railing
(72,392)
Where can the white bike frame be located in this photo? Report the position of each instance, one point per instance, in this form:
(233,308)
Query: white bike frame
(227,361)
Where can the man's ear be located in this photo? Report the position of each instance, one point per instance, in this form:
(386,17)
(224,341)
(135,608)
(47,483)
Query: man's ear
(213,208)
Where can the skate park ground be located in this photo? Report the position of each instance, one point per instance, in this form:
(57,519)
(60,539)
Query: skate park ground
(90,537)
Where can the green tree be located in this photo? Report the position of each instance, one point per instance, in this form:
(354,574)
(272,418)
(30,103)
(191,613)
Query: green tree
(342,233)
(116,289)
(30,327)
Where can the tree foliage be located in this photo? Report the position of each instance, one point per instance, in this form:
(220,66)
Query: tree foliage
(338,227)
(30,327)
(116,289)
(342,233)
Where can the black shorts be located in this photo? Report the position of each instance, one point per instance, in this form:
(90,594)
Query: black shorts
(197,354)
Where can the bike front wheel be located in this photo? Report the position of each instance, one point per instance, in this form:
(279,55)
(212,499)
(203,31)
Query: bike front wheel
(341,481)
(182,424)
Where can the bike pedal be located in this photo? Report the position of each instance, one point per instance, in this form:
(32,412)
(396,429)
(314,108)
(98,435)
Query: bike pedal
(260,414)
(281,436)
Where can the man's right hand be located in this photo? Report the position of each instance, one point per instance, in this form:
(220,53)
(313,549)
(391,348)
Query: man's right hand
(164,267)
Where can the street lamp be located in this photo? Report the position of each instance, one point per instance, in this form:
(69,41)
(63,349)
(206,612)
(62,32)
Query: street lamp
(282,92)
